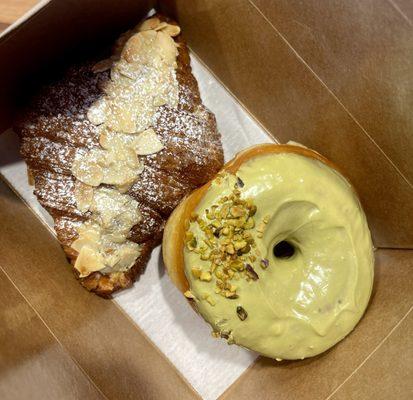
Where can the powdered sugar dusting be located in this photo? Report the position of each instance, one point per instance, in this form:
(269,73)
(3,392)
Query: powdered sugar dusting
(56,130)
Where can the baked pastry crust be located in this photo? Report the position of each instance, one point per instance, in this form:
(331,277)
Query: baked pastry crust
(56,127)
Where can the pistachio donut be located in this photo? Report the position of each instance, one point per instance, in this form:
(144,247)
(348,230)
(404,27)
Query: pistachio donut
(274,253)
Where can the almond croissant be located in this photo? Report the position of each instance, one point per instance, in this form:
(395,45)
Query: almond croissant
(114,146)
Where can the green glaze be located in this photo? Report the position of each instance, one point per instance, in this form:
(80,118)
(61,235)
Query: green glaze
(302,305)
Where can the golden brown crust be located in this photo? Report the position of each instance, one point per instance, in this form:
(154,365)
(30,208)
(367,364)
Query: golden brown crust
(55,128)
(174,233)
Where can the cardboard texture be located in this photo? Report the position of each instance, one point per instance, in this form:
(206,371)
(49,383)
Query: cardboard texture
(278,87)
(334,77)
(102,340)
(73,28)
(34,357)
(375,369)
(154,303)
(10,11)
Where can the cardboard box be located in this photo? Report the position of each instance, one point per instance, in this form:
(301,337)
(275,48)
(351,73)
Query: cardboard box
(336,76)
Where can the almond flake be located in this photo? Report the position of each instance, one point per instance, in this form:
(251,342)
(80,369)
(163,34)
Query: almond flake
(97,112)
(172,30)
(148,143)
(151,23)
(83,196)
(88,261)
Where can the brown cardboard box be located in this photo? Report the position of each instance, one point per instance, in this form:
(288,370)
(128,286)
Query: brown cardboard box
(336,76)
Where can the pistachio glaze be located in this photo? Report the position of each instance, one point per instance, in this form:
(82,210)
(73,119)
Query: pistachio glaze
(302,304)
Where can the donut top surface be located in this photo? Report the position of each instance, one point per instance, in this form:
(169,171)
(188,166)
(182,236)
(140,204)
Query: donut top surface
(279,257)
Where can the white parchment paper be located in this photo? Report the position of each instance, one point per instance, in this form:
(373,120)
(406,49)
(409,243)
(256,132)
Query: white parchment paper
(156,306)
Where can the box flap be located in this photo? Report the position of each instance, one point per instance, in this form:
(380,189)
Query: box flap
(256,62)
(57,32)
(101,339)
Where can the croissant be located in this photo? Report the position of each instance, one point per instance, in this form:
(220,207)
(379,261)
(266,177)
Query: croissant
(114,146)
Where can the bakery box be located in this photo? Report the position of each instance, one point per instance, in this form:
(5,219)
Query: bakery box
(334,76)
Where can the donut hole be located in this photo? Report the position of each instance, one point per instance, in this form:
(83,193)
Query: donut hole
(283,249)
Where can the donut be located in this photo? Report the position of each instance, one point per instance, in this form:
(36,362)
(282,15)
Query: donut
(274,253)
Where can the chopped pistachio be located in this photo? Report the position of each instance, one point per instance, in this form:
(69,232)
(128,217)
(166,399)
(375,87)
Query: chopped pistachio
(226,243)
(224,335)
(240,244)
(188,294)
(249,224)
(211,301)
(205,276)
(196,272)
(237,211)
(233,288)
(192,244)
(246,249)
(236,265)
(240,183)
(242,314)
(188,236)
(209,215)
(251,272)
(253,210)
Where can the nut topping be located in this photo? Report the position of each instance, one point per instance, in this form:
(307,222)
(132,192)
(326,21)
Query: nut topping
(142,72)
(251,273)
(147,143)
(242,314)
(225,244)
(83,196)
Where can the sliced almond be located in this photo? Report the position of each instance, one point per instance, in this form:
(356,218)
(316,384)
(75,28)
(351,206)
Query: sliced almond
(97,112)
(119,175)
(116,237)
(171,30)
(89,261)
(150,55)
(87,171)
(151,23)
(83,196)
(121,119)
(159,100)
(85,240)
(139,48)
(167,47)
(107,139)
(102,66)
(128,253)
(132,48)
(161,26)
(148,143)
